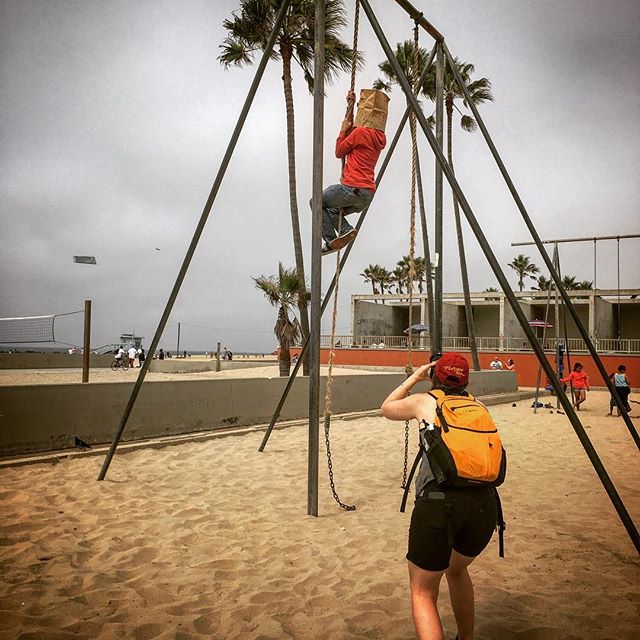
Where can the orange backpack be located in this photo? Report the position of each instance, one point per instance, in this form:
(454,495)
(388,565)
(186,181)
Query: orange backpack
(463,446)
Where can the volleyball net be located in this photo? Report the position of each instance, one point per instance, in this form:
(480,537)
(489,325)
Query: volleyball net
(30,329)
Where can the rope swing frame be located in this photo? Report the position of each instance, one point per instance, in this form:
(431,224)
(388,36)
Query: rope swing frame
(317,309)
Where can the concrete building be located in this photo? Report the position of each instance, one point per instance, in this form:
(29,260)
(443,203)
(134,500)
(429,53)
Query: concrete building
(611,317)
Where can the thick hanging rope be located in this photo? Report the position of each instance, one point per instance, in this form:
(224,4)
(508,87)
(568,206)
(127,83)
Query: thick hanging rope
(412,213)
(334,315)
(412,234)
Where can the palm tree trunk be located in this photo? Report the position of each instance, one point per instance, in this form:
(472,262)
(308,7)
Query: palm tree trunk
(285,52)
(427,251)
(284,357)
(463,260)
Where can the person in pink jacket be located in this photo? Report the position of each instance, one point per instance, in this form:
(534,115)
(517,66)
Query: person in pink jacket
(579,382)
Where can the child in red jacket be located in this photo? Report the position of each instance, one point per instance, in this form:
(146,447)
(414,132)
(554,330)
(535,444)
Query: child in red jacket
(579,382)
(361,146)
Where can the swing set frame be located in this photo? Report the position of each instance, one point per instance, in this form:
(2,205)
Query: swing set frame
(442,169)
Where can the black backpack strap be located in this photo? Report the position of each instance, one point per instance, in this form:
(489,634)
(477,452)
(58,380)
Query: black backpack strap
(407,485)
(500,523)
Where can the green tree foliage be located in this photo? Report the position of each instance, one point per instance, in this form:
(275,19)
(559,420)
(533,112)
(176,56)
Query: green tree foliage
(248,32)
(523,266)
(284,292)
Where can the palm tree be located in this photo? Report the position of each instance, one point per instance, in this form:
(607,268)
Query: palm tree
(369,275)
(570,283)
(399,278)
(248,32)
(491,290)
(385,279)
(480,91)
(585,284)
(419,271)
(523,266)
(543,284)
(284,292)
(405,53)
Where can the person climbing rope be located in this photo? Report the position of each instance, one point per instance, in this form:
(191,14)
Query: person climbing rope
(451,522)
(359,145)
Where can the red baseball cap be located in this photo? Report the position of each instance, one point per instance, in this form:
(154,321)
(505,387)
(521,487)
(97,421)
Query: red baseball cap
(452,370)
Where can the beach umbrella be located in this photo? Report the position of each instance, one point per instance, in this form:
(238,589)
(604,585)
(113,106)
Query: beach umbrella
(417,328)
(540,323)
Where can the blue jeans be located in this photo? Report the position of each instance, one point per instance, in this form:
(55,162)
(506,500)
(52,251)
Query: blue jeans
(340,196)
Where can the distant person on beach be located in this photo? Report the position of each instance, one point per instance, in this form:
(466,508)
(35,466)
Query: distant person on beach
(579,382)
(496,364)
(450,526)
(119,353)
(510,365)
(225,354)
(132,353)
(360,147)
(141,357)
(161,355)
(623,389)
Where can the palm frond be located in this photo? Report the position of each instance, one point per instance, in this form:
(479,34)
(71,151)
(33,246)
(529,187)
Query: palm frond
(468,124)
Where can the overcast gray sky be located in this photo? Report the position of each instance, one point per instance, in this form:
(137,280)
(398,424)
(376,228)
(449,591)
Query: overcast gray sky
(114,117)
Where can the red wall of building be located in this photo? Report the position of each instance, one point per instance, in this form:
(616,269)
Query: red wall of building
(526,363)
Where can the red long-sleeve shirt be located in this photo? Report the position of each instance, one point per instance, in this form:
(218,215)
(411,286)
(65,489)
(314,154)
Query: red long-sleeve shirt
(362,146)
(578,380)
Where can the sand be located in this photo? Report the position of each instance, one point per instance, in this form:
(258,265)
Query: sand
(61,376)
(211,540)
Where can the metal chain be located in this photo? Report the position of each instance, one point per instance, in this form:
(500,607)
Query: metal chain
(336,497)
(334,315)
(406,454)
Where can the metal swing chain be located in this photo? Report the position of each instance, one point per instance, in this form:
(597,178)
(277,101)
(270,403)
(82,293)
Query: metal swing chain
(334,314)
(412,236)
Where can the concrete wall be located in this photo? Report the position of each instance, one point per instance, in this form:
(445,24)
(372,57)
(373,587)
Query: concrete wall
(604,320)
(486,319)
(186,365)
(629,320)
(45,417)
(52,360)
(453,321)
(372,319)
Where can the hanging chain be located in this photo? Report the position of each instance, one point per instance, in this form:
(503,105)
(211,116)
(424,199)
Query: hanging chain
(336,497)
(334,315)
(406,454)
(329,391)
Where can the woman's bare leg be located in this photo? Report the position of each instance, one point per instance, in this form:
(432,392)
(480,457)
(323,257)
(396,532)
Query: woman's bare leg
(461,594)
(425,586)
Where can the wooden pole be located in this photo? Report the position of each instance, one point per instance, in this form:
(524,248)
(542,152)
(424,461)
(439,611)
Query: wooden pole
(86,350)
(178,343)
(218,358)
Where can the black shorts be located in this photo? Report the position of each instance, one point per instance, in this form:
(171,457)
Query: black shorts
(460,519)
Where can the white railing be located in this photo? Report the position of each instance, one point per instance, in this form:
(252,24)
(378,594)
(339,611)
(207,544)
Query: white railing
(491,343)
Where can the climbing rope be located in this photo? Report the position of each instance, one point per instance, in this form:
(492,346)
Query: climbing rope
(334,315)
(412,234)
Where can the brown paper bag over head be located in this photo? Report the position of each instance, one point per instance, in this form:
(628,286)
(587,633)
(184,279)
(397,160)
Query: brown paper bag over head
(372,109)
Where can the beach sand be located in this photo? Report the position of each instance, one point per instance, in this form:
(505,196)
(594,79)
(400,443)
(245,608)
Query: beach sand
(62,376)
(211,540)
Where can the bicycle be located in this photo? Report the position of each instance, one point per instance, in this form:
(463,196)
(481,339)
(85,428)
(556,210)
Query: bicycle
(119,363)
